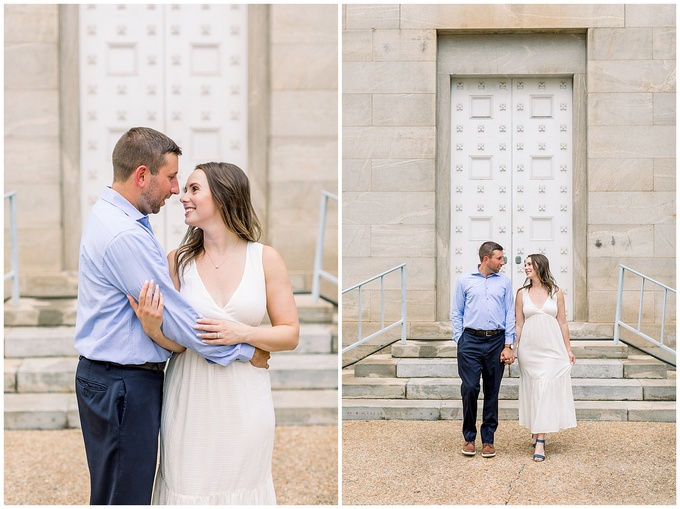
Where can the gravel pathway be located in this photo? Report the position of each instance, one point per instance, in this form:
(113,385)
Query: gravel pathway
(49,467)
(420,463)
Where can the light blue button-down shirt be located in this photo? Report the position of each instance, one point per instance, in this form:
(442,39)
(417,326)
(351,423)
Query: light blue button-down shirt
(117,254)
(483,303)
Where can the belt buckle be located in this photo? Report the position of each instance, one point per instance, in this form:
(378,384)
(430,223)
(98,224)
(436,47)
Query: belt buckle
(489,333)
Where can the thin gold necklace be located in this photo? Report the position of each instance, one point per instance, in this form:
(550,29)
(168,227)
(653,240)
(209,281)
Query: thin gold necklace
(211,260)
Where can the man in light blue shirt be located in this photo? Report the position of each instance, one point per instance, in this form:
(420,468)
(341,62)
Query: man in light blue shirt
(119,379)
(483,322)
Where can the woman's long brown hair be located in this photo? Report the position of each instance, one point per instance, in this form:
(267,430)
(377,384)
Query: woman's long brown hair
(230,190)
(541,265)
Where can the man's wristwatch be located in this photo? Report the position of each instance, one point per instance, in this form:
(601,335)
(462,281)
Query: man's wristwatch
(510,345)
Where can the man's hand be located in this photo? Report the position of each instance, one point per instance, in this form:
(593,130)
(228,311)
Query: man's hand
(260,358)
(507,356)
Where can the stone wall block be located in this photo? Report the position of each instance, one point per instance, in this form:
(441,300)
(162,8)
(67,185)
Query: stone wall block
(31,66)
(664,43)
(356,240)
(506,16)
(641,208)
(400,174)
(650,15)
(38,206)
(357,45)
(389,77)
(631,76)
(631,141)
(304,113)
(664,109)
(516,54)
(664,174)
(39,153)
(393,241)
(35,259)
(620,240)
(298,247)
(389,142)
(312,66)
(621,44)
(304,159)
(610,174)
(356,175)
(297,204)
(404,109)
(308,23)
(357,110)
(405,45)
(31,23)
(388,208)
(35,113)
(665,243)
(363,16)
(621,109)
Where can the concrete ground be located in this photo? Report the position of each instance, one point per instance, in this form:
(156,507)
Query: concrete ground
(49,467)
(420,463)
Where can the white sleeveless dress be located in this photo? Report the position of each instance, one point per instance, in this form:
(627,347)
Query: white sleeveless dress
(546,402)
(217,424)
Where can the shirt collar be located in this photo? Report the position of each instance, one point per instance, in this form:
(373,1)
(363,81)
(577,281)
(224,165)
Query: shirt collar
(117,200)
(478,273)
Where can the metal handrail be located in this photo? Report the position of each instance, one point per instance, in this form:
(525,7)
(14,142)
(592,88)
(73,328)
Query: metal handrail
(318,256)
(619,304)
(13,274)
(401,321)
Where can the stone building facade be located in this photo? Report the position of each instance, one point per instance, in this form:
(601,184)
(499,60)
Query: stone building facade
(292,138)
(400,66)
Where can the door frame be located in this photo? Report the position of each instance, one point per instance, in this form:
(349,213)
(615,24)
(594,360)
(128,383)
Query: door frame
(510,56)
(69,120)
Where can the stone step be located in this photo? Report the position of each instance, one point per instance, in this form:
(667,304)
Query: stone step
(24,342)
(56,374)
(582,348)
(384,365)
(374,409)
(584,389)
(60,411)
(304,371)
(32,312)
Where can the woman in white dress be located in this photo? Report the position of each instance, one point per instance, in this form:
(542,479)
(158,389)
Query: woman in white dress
(546,402)
(217,424)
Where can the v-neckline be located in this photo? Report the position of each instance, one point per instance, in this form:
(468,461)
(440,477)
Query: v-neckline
(534,304)
(238,287)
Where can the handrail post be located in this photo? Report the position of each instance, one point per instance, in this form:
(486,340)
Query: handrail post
(403,304)
(619,304)
(318,255)
(14,247)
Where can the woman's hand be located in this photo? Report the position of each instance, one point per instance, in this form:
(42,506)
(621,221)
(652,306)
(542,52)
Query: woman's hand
(149,310)
(572,358)
(221,332)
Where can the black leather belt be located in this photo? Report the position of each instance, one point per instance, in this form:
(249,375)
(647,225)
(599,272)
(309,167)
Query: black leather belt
(485,333)
(151,366)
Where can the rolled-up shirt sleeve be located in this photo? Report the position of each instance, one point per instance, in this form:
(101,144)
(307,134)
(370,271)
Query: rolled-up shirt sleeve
(130,260)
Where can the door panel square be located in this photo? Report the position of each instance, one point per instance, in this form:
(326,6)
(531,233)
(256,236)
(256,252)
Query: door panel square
(481,107)
(541,106)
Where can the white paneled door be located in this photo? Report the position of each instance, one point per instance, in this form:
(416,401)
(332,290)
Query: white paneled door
(511,174)
(180,69)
